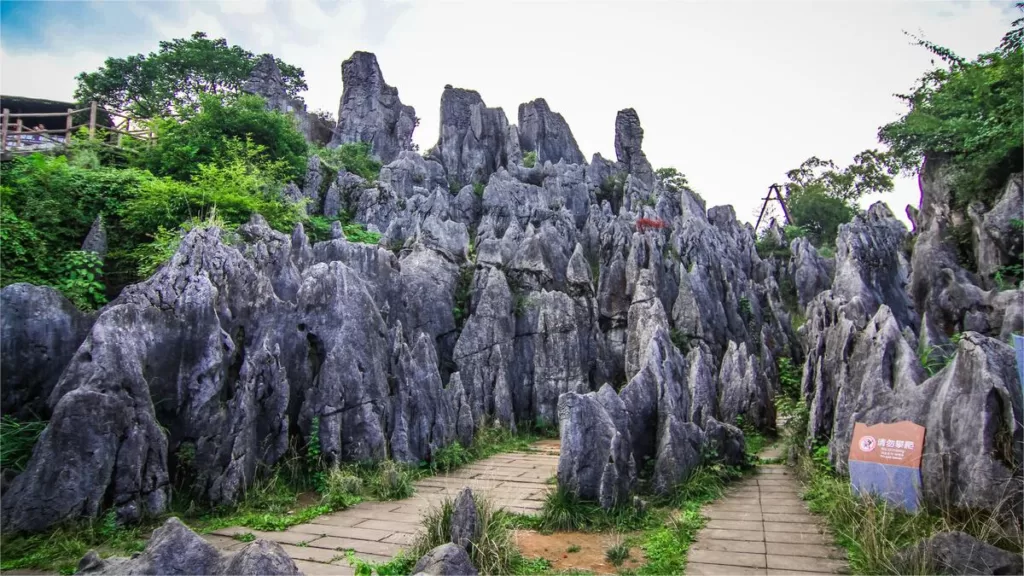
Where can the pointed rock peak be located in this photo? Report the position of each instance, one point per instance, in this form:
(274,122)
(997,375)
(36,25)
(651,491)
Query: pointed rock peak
(578,271)
(629,138)
(547,133)
(371,111)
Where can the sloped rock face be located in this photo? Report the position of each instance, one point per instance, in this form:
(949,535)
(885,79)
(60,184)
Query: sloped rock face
(595,462)
(810,272)
(39,332)
(465,520)
(371,111)
(471,145)
(175,550)
(958,553)
(545,132)
(629,137)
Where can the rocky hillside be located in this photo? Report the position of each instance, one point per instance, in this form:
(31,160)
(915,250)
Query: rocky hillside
(517,285)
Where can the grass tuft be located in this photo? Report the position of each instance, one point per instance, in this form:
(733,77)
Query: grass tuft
(17,439)
(617,554)
(494,548)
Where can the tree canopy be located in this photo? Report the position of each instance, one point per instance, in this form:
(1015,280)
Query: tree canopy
(171,79)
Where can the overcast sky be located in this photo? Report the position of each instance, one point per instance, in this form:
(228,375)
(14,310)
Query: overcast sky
(733,94)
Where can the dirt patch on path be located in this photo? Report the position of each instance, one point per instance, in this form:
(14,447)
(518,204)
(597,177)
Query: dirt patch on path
(592,546)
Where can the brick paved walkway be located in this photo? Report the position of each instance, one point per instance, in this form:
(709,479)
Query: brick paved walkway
(763,527)
(378,530)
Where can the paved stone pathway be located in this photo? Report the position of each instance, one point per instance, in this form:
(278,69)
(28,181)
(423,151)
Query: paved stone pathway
(376,531)
(763,527)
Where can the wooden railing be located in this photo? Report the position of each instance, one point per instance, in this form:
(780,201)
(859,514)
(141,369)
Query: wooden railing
(18,137)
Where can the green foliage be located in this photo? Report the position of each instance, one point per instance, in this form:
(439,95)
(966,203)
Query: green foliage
(969,113)
(449,458)
(617,554)
(390,481)
(563,511)
(746,312)
(175,78)
(818,213)
(611,189)
(400,565)
(356,232)
(17,439)
(530,159)
(166,242)
(240,183)
(789,377)
(341,489)
(245,537)
(680,340)
(354,157)
(204,137)
(491,440)
(314,462)
(574,548)
(672,179)
(463,292)
(493,549)
(80,274)
(61,549)
(478,189)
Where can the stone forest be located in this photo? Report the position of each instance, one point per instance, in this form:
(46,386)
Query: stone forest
(265,340)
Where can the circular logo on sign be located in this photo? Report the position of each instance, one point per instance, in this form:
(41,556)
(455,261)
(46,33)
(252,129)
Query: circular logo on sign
(867,443)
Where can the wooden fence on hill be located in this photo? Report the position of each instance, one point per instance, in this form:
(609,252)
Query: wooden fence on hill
(19,134)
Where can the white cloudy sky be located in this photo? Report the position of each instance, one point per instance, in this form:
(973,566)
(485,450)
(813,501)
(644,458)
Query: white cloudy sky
(731,93)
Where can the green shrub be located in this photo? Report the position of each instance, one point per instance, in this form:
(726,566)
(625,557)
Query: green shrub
(478,189)
(79,273)
(203,137)
(354,157)
(400,565)
(617,554)
(819,214)
(530,159)
(450,457)
(358,233)
(463,292)
(390,481)
(968,113)
(563,510)
(341,489)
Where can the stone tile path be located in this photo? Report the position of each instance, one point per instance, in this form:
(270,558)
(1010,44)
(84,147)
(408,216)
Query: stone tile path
(378,530)
(763,527)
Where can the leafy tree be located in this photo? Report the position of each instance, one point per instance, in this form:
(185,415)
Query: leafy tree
(172,79)
(355,157)
(969,113)
(672,179)
(201,136)
(820,196)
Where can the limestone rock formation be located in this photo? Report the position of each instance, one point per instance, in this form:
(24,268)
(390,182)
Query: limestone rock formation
(175,550)
(471,145)
(629,137)
(465,520)
(39,332)
(371,111)
(445,560)
(958,553)
(596,462)
(545,132)
(96,240)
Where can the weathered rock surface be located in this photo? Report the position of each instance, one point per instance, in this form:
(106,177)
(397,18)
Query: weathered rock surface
(811,273)
(725,441)
(173,549)
(96,240)
(596,462)
(465,520)
(471,145)
(39,332)
(629,137)
(545,132)
(371,111)
(958,553)
(445,560)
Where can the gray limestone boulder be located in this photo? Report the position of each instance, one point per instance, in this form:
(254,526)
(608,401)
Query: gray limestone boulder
(595,462)
(175,550)
(811,273)
(445,560)
(265,81)
(545,132)
(726,442)
(40,330)
(744,389)
(371,111)
(957,553)
(471,145)
(678,455)
(423,419)
(465,520)
(997,238)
